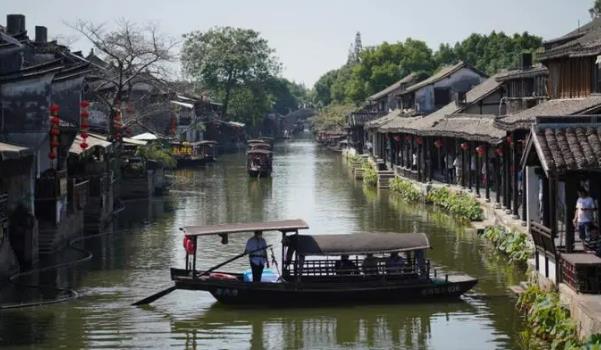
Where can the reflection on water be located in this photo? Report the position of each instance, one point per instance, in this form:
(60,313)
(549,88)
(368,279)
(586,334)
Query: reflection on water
(307,183)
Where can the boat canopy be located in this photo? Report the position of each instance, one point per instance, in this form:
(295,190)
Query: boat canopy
(282,225)
(259,151)
(361,243)
(207,142)
(255,141)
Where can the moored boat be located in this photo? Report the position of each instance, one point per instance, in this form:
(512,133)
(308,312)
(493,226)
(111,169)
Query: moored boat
(312,272)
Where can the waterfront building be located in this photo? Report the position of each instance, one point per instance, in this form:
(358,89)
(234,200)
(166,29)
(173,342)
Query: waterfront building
(42,85)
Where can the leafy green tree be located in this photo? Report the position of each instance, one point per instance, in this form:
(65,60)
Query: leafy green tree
(225,60)
(332,117)
(495,51)
(322,89)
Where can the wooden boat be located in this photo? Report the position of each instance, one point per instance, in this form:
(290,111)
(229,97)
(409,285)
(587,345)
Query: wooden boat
(260,145)
(312,276)
(193,153)
(206,150)
(259,162)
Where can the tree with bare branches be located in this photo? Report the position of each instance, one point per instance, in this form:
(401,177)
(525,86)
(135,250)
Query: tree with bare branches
(132,65)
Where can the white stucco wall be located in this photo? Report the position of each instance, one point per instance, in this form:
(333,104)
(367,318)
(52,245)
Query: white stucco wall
(462,80)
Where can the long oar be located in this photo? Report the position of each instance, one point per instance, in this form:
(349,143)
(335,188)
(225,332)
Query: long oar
(164,292)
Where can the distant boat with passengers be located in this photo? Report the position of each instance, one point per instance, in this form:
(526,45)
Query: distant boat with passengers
(259,158)
(347,268)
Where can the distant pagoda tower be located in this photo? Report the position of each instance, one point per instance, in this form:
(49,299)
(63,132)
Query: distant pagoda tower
(355,50)
(358,45)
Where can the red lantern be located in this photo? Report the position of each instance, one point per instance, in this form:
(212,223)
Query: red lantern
(480,150)
(438,143)
(465,146)
(189,245)
(419,140)
(397,138)
(499,151)
(509,140)
(54,131)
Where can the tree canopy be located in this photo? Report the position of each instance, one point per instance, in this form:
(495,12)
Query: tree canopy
(229,61)
(383,65)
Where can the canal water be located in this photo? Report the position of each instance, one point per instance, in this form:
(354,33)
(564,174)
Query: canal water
(307,182)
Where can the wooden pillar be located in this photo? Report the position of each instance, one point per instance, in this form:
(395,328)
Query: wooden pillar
(487,180)
(497,172)
(514,176)
(419,160)
(463,163)
(469,165)
(402,150)
(570,197)
(506,176)
(411,152)
(478,173)
(391,147)
(446,160)
(524,199)
(430,148)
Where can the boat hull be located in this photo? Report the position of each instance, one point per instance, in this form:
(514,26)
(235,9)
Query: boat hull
(290,293)
(259,172)
(193,162)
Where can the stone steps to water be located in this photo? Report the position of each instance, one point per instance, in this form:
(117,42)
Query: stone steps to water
(384,177)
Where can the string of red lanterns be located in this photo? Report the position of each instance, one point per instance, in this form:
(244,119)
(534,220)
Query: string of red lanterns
(54,131)
(84,126)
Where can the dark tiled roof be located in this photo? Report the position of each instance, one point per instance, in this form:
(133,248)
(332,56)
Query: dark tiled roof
(409,79)
(555,107)
(535,70)
(576,33)
(441,74)
(376,123)
(588,44)
(473,127)
(476,94)
(564,146)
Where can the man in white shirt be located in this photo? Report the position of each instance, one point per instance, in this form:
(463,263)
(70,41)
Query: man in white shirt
(583,217)
(257,256)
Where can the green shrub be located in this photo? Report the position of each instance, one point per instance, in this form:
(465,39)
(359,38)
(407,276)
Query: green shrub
(548,320)
(158,154)
(405,189)
(370,175)
(457,203)
(514,244)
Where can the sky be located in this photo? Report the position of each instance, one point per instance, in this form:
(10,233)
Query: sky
(312,37)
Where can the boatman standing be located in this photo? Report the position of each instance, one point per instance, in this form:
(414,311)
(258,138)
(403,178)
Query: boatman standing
(257,256)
